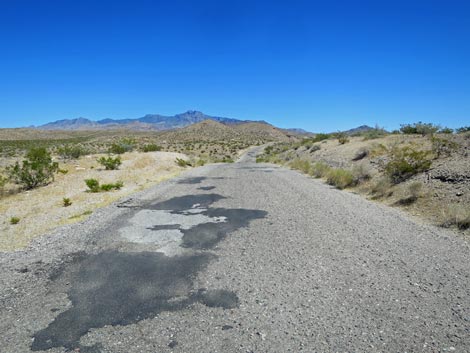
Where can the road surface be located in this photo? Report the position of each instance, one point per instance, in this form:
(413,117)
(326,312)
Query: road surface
(239,257)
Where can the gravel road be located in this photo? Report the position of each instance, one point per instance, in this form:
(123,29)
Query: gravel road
(239,257)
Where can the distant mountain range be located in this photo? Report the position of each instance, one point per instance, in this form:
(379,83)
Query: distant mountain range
(158,122)
(147,122)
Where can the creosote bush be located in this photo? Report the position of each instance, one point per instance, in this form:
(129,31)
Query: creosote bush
(419,128)
(94,186)
(343,139)
(406,162)
(151,148)
(70,152)
(110,163)
(442,146)
(14,220)
(36,170)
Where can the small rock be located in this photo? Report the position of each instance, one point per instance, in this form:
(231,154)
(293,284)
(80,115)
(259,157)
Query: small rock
(459,194)
(227,327)
(172,344)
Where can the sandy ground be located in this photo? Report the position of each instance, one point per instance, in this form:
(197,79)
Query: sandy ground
(41,210)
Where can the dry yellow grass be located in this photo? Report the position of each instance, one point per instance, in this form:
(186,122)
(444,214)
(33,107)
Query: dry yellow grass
(41,210)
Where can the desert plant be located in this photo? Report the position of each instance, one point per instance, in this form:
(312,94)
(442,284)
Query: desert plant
(111,186)
(70,152)
(446,130)
(406,162)
(341,178)
(36,170)
(319,169)
(442,147)
(182,163)
(457,215)
(200,162)
(110,163)
(93,185)
(463,129)
(151,148)
(419,128)
(342,138)
(3,181)
(14,220)
(320,137)
(300,164)
(66,202)
(120,148)
(374,133)
(361,172)
(382,187)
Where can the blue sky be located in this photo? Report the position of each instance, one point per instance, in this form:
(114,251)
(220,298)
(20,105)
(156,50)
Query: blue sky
(318,65)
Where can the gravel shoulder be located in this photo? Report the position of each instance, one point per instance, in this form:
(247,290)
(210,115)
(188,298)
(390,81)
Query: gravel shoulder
(294,265)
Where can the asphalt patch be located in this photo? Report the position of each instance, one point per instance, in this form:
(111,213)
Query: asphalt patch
(183,203)
(194,180)
(115,288)
(207,235)
(206,188)
(119,288)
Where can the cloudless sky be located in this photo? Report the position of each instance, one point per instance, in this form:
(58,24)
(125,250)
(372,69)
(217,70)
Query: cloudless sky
(318,65)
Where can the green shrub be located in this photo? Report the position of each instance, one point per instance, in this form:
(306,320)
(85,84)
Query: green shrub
(200,162)
(120,148)
(446,130)
(341,178)
(3,181)
(14,220)
(66,202)
(406,162)
(110,163)
(320,137)
(151,148)
(182,163)
(301,164)
(93,185)
(319,169)
(419,128)
(442,147)
(342,139)
(463,129)
(113,186)
(38,169)
(375,133)
(70,152)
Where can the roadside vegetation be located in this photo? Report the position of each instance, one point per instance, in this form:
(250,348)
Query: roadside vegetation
(422,168)
(43,173)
